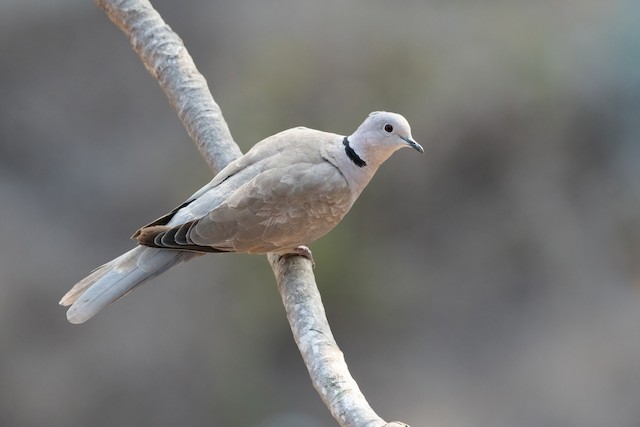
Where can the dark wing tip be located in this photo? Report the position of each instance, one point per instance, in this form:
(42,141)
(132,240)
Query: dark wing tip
(146,236)
(165,237)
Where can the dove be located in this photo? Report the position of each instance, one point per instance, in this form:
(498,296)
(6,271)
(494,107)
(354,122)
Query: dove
(287,191)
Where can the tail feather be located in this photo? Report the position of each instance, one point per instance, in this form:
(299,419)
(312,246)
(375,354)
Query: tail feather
(118,277)
(78,289)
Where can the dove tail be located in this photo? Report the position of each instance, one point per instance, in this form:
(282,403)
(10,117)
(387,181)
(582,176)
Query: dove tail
(118,277)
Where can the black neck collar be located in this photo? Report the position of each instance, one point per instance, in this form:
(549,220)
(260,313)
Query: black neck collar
(352,155)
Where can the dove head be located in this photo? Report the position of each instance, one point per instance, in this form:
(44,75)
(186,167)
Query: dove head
(380,135)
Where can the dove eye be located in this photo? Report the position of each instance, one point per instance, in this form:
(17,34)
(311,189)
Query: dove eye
(388,128)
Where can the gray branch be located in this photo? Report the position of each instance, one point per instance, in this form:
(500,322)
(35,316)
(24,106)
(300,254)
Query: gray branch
(166,58)
(322,356)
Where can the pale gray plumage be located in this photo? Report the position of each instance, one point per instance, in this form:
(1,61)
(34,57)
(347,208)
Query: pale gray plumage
(289,190)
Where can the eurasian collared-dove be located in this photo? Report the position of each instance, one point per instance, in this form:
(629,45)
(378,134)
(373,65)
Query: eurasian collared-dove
(287,191)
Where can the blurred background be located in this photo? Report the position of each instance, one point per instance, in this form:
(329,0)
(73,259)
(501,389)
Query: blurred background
(494,281)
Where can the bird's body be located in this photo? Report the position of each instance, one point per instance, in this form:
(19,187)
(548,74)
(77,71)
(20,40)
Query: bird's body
(266,201)
(289,190)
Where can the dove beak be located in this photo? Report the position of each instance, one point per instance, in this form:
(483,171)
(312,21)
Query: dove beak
(412,143)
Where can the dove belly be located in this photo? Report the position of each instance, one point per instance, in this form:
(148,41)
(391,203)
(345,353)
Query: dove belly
(299,225)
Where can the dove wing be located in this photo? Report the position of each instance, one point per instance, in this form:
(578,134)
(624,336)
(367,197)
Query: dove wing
(264,155)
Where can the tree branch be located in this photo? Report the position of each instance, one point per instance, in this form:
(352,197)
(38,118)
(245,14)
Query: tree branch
(322,356)
(165,57)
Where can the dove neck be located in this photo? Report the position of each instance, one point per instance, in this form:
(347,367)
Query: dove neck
(351,154)
(356,163)
(366,152)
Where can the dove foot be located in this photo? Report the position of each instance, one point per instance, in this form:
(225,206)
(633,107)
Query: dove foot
(303,251)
